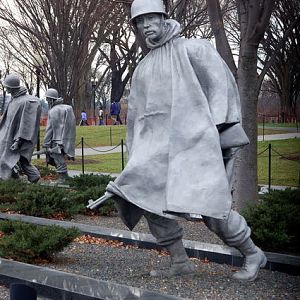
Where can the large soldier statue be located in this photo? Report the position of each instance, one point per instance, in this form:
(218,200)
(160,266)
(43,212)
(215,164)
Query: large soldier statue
(19,128)
(180,164)
(60,133)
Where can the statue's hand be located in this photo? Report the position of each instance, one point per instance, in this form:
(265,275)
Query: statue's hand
(15,146)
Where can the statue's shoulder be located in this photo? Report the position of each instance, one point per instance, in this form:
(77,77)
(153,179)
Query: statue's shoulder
(30,99)
(194,45)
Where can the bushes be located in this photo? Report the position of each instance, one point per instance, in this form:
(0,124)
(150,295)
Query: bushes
(44,201)
(27,242)
(275,221)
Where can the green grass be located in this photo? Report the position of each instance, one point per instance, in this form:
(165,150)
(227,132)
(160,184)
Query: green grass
(283,171)
(96,135)
(103,163)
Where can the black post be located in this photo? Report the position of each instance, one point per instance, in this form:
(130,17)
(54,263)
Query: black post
(38,73)
(110,134)
(21,291)
(94,100)
(270,165)
(82,155)
(263,127)
(122,147)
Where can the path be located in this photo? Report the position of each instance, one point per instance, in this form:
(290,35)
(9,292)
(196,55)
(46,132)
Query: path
(118,149)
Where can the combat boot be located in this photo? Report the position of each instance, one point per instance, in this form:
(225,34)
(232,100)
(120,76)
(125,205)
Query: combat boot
(254,260)
(62,177)
(180,263)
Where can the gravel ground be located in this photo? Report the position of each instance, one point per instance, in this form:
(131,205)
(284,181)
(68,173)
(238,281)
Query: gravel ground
(130,266)
(195,231)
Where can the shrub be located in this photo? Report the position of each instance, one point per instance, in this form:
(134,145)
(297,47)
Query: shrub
(28,242)
(46,171)
(42,201)
(84,182)
(9,190)
(275,221)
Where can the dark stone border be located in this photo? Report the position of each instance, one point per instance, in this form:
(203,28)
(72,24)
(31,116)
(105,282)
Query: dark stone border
(55,284)
(217,253)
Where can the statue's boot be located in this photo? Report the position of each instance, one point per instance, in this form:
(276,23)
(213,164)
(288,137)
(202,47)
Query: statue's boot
(254,260)
(62,177)
(180,263)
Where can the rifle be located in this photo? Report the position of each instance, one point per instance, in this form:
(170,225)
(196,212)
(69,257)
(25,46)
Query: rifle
(93,204)
(56,150)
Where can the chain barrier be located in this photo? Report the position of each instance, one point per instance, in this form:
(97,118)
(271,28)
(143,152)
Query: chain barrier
(283,155)
(101,151)
(260,153)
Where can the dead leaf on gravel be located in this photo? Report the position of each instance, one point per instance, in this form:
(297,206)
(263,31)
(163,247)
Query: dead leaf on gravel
(87,239)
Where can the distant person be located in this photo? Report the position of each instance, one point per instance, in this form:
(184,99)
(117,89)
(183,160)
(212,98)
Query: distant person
(19,128)
(115,113)
(101,117)
(83,120)
(60,133)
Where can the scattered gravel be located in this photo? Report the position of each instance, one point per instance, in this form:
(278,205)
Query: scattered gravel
(195,231)
(131,266)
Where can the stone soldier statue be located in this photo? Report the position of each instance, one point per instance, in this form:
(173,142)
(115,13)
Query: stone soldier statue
(183,125)
(60,133)
(19,127)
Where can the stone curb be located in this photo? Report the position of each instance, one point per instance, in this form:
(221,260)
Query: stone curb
(55,284)
(216,253)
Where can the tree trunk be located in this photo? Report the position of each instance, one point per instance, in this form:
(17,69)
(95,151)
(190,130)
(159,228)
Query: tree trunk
(245,187)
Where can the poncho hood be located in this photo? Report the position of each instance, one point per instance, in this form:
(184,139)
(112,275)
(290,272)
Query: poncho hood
(172,30)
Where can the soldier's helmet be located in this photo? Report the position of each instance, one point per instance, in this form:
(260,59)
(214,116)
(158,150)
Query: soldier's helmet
(142,7)
(51,93)
(12,81)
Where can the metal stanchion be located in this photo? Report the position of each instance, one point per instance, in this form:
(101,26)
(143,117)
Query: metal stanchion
(270,165)
(122,147)
(263,127)
(110,134)
(82,155)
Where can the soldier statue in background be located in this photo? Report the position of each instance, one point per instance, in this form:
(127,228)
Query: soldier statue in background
(60,134)
(19,128)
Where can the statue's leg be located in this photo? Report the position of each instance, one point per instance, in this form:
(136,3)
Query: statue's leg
(235,233)
(61,166)
(169,235)
(30,170)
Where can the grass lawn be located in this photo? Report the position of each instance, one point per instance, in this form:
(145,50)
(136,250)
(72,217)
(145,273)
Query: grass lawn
(103,163)
(288,125)
(111,135)
(284,171)
(285,167)
(97,135)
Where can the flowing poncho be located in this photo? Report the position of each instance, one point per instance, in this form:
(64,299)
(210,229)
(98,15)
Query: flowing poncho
(20,121)
(61,128)
(180,91)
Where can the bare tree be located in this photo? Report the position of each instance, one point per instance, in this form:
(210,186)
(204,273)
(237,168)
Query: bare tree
(282,46)
(55,37)
(253,17)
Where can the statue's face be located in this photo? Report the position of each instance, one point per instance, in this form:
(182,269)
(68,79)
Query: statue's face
(8,90)
(150,26)
(50,102)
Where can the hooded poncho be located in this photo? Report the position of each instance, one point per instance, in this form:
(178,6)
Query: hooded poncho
(20,121)
(180,91)
(61,128)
